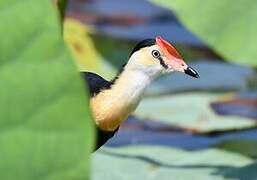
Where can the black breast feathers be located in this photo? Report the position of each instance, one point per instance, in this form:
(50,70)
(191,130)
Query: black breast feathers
(95,83)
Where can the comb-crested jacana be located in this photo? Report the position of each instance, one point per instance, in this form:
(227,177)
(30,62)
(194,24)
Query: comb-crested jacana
(113,101)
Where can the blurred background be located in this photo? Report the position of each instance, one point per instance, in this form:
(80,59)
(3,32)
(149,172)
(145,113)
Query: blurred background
(184,128)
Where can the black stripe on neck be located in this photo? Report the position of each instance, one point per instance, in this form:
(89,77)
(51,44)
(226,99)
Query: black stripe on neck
(162,63)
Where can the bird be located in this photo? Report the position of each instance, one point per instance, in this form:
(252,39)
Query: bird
(111,102)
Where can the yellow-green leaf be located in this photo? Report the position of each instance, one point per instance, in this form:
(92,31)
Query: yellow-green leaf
(82,47)
(45,124)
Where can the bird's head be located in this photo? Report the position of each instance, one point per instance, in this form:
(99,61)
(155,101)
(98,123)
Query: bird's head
(157,56)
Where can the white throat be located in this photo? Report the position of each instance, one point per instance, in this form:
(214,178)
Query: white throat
(112,106)
(131,85)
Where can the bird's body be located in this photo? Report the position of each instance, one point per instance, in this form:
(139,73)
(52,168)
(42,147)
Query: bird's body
(113,101)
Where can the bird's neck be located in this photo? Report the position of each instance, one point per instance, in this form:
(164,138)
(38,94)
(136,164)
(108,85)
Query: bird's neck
(112,106)
(130,85)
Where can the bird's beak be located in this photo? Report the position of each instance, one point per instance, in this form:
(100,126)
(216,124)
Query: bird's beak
(191,72)
(173,59)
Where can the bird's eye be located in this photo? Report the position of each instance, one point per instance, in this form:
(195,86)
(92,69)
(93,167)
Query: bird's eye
(156,53)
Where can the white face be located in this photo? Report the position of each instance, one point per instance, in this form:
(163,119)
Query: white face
(159,58)
(148,60)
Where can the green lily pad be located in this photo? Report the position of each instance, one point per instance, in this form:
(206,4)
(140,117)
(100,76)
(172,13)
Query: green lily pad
(45,126)
(228,27)
(154,162)
(190,111)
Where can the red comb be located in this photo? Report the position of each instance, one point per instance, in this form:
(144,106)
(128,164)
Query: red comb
(167,47)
